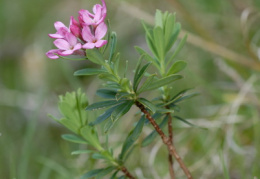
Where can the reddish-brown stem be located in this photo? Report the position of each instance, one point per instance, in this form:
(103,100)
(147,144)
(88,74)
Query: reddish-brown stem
(170,134)
(127,174)
(165,140)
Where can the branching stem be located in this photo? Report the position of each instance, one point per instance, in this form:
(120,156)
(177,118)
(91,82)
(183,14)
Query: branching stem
(165,140)
(127,173)
(170,134)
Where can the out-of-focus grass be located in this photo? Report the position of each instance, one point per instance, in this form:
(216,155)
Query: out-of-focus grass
(228,106)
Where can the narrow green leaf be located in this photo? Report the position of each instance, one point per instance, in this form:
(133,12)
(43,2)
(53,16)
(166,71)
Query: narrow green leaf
(185,121)
(185,97)
(147,56)
(107,93)
(132,137)
(151,44)
(174,36)
(121,110)
(177,67)
(95,56)
(114,175)
(104,116)
(162,82)
(146,84)
(153,134)
(112,46)
(159,42)
(159,18)
(92,173)
(89,71)
(178,95)
(148,104)
(99,156)
(108,77)
(106,171)
(164,111)
(139,74)
(109,125)
(180,45)
(169,27)
(77,152)
(102,104)
(73,138)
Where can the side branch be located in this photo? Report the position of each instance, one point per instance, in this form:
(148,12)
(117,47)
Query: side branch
(165,140)
(127,173)
(170,134)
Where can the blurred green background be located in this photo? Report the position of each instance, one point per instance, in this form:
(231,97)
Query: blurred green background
(222,52)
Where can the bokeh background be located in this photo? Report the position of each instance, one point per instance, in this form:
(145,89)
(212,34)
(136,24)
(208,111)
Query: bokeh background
(222,51)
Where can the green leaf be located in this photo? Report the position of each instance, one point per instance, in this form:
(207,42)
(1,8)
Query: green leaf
(107,93)
(95,56)
(180,45)
(92,173)
(169,27)
(185,121)
(109,125)
(114,175)
(106,171)
(162,82)
(77,152)
(121,110)
(108,77)
(164,111)
(99,156)
(73,138)
(147,56)
(89,71)
(102,104)
(132,137)
(146,84)
(90,135)
(185,97)
(112,46)
(154,133)
(104,116)
(159,18)
(139,73)
(70,124)
(159,42)
(148,104)
(177,67)
(173,36)
(72,107)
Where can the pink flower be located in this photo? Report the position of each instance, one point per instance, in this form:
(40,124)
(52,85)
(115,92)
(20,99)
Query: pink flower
(87,18)
(94,40)
(67,46)
(52,54)
(61,30)
(75,27)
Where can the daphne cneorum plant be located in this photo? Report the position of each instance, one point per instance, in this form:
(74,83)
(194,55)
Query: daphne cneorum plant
(88,39)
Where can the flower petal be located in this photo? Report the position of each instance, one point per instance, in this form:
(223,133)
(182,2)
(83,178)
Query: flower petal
(59,25)
(98,12)
(100,43)
(104,9)
(72,40)
(88,46)
(66,52)
(52,54)
(55,36)
(62,44)
(87,35)
(101,31)
(77,47)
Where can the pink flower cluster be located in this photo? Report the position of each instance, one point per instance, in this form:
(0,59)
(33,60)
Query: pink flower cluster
(86,33)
